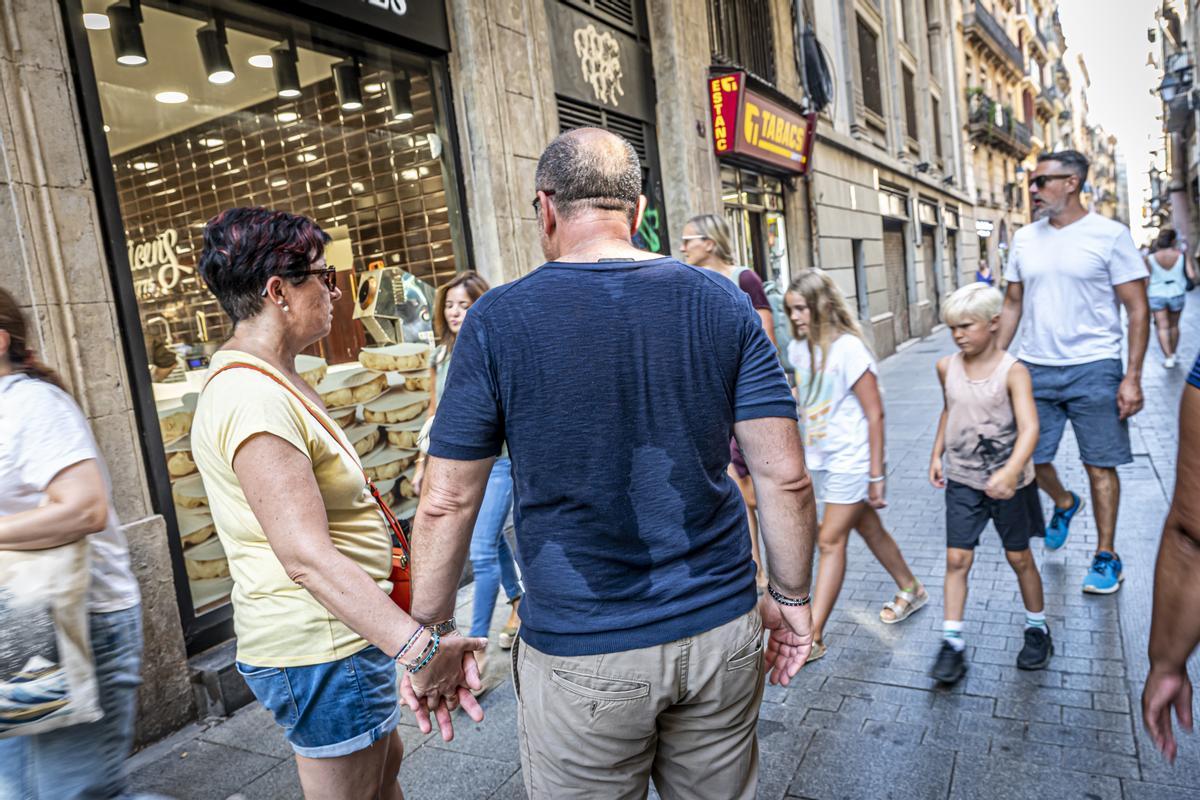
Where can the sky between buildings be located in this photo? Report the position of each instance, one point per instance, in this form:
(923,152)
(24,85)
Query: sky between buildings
(1111,37)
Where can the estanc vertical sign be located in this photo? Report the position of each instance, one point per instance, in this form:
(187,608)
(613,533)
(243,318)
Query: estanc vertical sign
(422,21)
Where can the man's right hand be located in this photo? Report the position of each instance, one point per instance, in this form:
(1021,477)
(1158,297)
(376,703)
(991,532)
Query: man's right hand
(790,641)
(1166,690)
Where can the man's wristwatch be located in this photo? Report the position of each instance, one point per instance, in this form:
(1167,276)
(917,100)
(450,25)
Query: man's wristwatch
(443,628)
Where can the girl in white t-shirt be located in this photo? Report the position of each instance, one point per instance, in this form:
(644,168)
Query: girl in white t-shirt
(841,416)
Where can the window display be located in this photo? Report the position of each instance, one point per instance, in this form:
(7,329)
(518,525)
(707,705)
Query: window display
(204,110)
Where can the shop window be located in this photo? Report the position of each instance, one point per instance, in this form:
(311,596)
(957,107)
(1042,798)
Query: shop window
(868,69)
(740,35)
(910,107)
(272,112)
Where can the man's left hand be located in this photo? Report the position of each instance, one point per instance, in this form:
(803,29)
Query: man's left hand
(445,683)
(1129,397)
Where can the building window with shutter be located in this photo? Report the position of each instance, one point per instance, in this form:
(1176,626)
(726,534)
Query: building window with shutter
(740,34)
(910,108)
(868,69)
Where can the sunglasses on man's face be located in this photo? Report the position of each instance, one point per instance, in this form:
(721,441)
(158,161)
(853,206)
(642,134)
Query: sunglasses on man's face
(1040,181)
(328,276)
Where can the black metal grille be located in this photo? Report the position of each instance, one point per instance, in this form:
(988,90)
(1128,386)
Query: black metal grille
(574,114)
(620,9)
(740,35)
(619,13)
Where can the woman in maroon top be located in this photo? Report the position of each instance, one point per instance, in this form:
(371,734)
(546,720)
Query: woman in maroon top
(707,243)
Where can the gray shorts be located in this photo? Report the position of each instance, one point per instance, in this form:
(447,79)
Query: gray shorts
(1085,394)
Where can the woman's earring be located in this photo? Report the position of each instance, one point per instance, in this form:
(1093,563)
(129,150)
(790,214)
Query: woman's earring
(285,307)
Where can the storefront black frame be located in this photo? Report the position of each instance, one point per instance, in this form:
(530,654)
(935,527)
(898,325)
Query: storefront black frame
(206,630)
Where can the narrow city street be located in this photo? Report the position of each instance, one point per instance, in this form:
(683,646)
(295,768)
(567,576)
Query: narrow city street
(866,723)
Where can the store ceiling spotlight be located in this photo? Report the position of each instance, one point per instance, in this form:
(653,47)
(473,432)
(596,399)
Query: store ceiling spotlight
(96,22)
(125,23)
(171,98)
(399,91)
(214,52)
(347,79)
(287,76)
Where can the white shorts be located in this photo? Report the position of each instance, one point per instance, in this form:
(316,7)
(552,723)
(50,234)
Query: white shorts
(844,488)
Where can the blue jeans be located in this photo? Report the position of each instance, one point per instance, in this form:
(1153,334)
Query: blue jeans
(85,762)
(491,558)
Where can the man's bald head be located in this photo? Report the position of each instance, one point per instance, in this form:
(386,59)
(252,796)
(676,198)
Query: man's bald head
(590,168)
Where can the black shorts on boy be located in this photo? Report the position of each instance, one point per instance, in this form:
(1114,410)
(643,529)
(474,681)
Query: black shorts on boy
(1017,519)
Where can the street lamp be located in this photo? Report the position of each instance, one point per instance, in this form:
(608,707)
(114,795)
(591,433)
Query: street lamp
(1177,77)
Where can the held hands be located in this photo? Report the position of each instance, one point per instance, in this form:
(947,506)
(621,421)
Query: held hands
(875,494)
(1129,397)
(790,641)
(1166,689)
(445,683)
(1002,484)
(936,476)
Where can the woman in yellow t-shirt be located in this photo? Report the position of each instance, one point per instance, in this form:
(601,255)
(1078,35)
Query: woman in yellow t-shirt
(308,549)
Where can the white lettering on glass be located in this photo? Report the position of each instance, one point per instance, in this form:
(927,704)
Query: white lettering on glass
(397,7)
(159,253)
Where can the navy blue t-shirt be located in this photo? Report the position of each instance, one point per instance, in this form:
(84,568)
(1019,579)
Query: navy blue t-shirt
(616,386)
(1194,375)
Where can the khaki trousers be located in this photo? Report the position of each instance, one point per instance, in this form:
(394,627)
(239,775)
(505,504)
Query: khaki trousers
(684,713)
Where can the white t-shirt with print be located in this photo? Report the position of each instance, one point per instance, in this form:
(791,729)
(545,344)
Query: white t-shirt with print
(832,420)
(42,432)
(1070,312)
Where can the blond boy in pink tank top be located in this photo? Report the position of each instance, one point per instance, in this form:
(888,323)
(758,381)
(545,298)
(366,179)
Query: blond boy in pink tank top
(981,457)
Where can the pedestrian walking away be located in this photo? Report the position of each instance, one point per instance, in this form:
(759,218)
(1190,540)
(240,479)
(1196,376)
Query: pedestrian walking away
(491,560)
(1175,623)
(981,458)
(617,378)
(1170,270)
(707,242)
(55,490)
(841,412)
(318,637)
(1068,274)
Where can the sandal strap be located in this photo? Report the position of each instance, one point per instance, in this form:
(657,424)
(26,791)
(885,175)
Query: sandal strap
(906,596)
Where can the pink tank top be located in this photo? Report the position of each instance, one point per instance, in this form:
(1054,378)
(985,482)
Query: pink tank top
(980,427)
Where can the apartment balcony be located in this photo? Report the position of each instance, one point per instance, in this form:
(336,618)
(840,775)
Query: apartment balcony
(993,125)
(981,29)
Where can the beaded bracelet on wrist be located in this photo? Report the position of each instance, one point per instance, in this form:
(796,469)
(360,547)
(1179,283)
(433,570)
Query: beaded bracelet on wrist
(429,652)
(411,641)
(784,600)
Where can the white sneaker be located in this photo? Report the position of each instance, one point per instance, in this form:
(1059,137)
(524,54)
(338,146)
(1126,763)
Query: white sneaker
(1169,362)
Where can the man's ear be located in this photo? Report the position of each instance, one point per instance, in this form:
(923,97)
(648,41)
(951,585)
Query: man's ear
(549,216)
(638,213)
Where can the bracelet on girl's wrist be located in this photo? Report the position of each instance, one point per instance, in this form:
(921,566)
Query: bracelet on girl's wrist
(426,655)
(784,600)
(876,478)
(411,641)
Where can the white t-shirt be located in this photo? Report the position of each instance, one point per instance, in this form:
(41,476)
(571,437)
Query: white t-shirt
(1070,313)
(833,422)
(42,432)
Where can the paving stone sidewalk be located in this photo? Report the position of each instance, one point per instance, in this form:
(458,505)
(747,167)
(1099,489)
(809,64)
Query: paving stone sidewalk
(866,722)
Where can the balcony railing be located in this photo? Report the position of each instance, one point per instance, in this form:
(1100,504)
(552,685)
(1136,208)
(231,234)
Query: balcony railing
(982,25)
(992,124)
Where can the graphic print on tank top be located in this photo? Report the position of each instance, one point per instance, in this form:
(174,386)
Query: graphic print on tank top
(981,430)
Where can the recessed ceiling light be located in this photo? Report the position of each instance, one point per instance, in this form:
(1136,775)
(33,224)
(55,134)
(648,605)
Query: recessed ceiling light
(171,97)
(409,175)
(96,22)
(373,88)
(357,187)
(145,166)
(107,129)
(306,158)
(287,116)
(277,182)
(210,141)
(261,60)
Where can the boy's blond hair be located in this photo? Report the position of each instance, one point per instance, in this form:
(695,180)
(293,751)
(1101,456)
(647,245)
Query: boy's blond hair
(975,302)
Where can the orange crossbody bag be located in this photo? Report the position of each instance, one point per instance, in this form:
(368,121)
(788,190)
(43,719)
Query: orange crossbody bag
(401,575)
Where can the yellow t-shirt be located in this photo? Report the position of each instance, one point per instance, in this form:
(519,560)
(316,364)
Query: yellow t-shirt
(278,623)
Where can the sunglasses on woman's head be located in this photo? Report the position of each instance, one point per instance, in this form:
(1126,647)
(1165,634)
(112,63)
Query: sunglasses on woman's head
(328,277)
(1040,181)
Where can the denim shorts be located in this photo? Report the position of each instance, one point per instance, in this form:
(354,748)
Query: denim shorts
(1168,303)
(1085,394)
(333,709)
(843,488)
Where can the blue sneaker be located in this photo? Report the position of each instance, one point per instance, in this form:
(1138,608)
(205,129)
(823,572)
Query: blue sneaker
(1060,523)
(1105,575)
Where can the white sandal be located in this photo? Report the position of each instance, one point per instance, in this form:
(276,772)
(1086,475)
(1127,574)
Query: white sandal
(913,603)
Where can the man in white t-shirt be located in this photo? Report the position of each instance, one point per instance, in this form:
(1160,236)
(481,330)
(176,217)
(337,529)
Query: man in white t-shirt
(1068,274)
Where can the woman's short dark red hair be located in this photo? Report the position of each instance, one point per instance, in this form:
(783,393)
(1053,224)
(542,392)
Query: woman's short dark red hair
(243,247)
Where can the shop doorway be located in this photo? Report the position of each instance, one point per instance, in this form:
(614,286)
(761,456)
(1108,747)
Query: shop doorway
(931,268)
(895,264)
(754,209)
